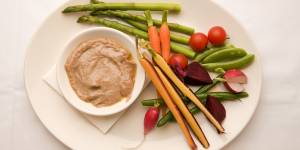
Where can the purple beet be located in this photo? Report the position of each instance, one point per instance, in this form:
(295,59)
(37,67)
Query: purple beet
(179,71)
(196,75)
(216,108)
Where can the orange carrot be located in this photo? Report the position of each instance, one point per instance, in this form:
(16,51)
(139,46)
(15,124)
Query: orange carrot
(164,34)
(150,71)
(153,33)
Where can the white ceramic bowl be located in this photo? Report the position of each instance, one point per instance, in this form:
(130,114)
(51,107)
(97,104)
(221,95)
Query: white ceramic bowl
(64,83)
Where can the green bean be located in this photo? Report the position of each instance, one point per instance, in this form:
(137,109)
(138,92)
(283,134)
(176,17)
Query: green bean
(206,88)
(225,55)
(211,50)
(234,64)
(221,96)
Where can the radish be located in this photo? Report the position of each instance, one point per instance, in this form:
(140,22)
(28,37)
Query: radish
(234,87)
(235,76)
(150,119)
(235,80)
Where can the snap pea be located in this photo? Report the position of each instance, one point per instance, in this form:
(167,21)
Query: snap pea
(234,64)
(211,50)
(225,55)
(221,96)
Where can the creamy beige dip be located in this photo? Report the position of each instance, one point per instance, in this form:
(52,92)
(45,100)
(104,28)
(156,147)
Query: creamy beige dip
(101,72)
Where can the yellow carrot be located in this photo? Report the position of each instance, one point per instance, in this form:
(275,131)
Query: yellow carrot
(150,71)
(185,90)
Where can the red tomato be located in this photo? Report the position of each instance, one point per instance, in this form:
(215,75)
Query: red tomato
(198,42)
(217,35)
(178,59)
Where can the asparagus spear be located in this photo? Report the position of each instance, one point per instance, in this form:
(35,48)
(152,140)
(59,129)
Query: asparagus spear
(133,31)
(174,37)
(124,6)
(139,18)
(221,96)
(95,2)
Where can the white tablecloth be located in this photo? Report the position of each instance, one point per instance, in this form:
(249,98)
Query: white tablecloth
(273,25)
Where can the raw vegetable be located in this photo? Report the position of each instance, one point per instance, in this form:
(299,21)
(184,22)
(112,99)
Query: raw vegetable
(185,90)
(215,108)
(206,88)
(148,67)
(234,87)
(150,119)
(236,76)
(164,34)
(152,33)
(138,18)
(173,36)
(217,35)
(225,55)
(234,80)
(183,109)
(133,31)
(179,59)
(198,41)
(124,6)
(196,75)
(221,96)
(95,2)
(237,64)
(211,50)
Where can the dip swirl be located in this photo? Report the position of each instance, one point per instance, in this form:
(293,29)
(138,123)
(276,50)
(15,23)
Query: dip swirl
(101,72)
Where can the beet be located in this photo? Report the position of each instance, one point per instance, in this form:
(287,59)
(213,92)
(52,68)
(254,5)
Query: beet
(196,75)
(180,73)
(215,108)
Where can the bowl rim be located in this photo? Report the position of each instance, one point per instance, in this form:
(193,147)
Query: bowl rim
(77,102)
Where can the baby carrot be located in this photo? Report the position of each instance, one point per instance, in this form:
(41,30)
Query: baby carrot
(152,33)
(164,34)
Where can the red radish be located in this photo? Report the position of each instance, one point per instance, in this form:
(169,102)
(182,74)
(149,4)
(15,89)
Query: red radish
(234,87)
(234,80)
(215,108)
(150,119)
(235,76)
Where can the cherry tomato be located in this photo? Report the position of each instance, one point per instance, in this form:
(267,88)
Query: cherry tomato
(198,42)
(217,35)
(178,59)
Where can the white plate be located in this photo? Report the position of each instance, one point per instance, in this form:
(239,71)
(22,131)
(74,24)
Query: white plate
(65,123)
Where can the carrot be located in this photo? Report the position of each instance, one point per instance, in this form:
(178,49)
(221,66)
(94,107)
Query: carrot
(164,34)
(150,71)
(153,33)
(183,108)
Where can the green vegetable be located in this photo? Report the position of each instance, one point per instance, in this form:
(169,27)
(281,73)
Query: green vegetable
(139,18)
(221,96)
(133,31)
(174,37)
(95,2)
(211,50)
(206,88)
(225,55)
(234,64)
(124,6)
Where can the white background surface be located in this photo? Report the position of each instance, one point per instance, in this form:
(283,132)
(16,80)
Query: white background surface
(272,24)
